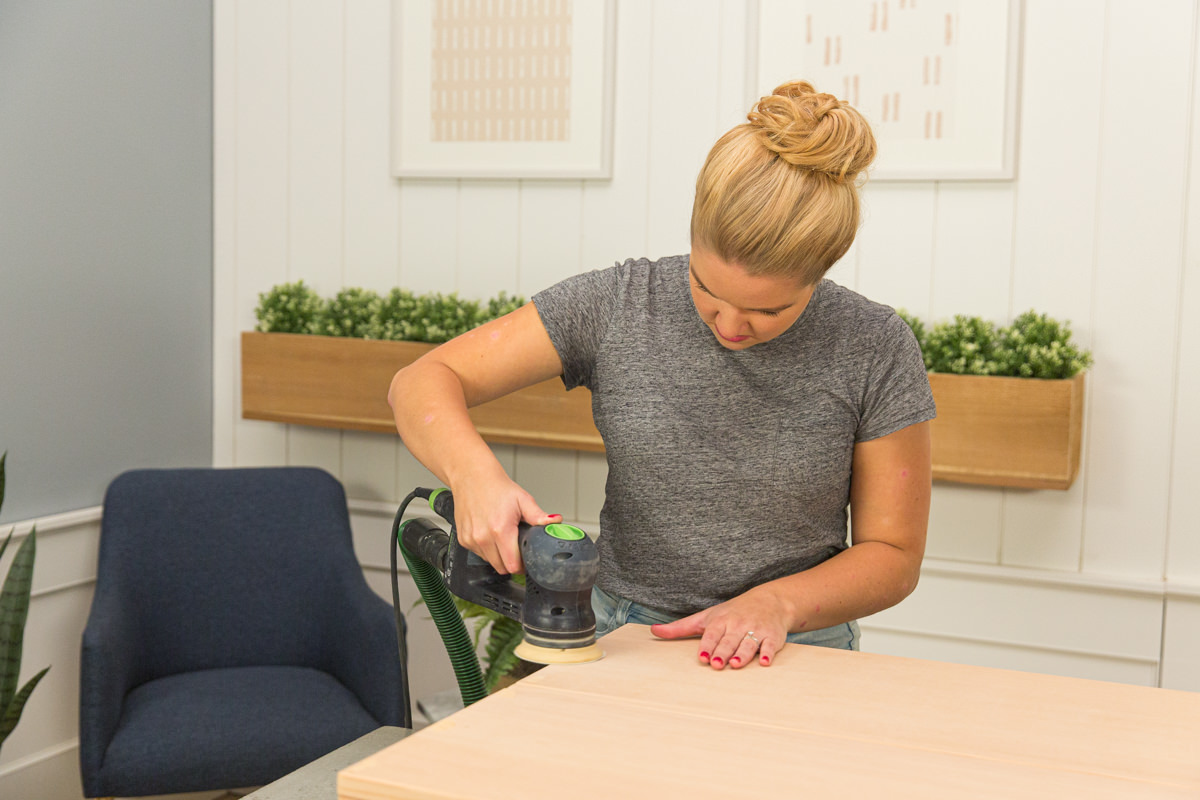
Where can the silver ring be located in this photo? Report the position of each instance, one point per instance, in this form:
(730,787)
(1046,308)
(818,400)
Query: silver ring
(752,636)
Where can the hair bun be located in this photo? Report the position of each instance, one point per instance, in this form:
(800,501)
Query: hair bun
(814,131)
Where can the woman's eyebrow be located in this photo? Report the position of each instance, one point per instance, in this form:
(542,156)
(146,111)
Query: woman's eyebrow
(774,310)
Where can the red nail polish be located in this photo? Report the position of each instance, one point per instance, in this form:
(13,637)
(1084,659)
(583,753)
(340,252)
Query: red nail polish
(704,655)
(717,661)
(765,661)
(735,660)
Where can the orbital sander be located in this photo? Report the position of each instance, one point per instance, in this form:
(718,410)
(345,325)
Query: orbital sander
(554,606)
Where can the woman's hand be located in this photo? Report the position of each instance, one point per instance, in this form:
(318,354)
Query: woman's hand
(736,632)
(487,509)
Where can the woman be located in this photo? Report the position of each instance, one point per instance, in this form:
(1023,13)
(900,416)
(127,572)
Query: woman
(744,401)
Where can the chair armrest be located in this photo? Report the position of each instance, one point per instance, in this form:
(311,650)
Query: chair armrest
(107,672)
(367,659)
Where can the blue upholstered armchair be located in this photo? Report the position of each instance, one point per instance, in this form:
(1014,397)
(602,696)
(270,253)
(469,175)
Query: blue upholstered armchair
(232,637)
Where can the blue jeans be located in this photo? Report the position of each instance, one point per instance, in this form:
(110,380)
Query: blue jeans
(612,612)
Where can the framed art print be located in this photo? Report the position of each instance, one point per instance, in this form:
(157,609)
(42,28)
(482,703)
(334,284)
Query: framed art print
(502,88)
(937,79)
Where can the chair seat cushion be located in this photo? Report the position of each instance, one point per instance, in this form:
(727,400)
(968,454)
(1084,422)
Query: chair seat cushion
(225,728)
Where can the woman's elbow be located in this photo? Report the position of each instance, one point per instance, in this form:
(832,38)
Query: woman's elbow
(395,388)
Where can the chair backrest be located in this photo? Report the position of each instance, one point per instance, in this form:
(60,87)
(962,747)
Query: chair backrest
(228,567)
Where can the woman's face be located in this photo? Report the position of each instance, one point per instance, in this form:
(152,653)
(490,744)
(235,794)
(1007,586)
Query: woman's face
(743,310)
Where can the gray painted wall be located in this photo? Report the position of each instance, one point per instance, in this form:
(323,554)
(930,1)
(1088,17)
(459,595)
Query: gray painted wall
(105,244)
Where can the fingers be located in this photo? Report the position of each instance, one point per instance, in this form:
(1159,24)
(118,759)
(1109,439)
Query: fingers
(492,536)
(680,628)
(735,651)
(489,543)
(532,513)
(734,645)
(492,532)
(767,651)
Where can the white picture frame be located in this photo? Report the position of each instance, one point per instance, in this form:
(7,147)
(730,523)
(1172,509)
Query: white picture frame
(456,139)
(908,66)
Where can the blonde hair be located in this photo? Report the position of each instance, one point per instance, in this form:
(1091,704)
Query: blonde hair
(778,195)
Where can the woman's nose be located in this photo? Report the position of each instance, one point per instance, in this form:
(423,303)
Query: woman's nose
(733,321)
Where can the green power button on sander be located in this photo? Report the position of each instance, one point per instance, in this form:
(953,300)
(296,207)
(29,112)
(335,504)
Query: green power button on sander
(554,606)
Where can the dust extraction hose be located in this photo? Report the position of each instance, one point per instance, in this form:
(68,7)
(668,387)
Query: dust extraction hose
(445,614)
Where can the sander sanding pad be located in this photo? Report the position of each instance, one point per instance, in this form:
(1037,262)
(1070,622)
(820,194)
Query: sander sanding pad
(558,655)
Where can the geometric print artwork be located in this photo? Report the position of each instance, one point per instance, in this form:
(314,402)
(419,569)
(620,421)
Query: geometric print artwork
(894,60)
(501,71)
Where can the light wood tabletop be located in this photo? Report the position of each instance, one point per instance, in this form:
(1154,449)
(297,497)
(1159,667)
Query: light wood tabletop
(648,721)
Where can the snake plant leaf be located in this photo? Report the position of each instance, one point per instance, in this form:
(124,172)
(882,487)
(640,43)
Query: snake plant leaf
(14,609)
(12,714)
(3,546)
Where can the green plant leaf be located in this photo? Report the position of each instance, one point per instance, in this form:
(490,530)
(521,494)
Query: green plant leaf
(289,308)
(1033,346)
(353,312)
(14,609)
(12,714)
(505,636)
(400,316)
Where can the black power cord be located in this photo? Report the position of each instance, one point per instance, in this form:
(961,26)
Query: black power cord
(401,625)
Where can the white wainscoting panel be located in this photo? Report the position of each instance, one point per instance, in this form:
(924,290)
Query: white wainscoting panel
(49,775)
(429,236)
(1043,529)
(1183,547)
(316,144)
(315,447)
(1054,236)
(1181,641)
(1025,611)
(260,189)
(972,251)
(226,356)
(551,220)
(371,258)
(684,108)
(1138,268)
(369,464)
(957,650)
(615,212)
(964,523)
(489,249)
(895,245)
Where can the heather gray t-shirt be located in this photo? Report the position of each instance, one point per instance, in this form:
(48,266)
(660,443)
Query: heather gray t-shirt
(726,469)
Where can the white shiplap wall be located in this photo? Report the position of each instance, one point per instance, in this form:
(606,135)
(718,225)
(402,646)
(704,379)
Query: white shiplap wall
(1098,228)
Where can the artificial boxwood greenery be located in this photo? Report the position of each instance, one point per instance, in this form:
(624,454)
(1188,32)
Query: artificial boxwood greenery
(365,314)
(1033,346)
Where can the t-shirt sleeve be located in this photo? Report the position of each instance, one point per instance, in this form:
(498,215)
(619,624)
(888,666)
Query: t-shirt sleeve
(897,392)
(576,313)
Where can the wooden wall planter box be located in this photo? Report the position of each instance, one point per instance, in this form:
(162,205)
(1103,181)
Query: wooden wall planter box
(334,382)
(1020,432)
(992,431)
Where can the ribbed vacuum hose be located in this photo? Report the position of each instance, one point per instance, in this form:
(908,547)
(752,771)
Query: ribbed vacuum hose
(450,625)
